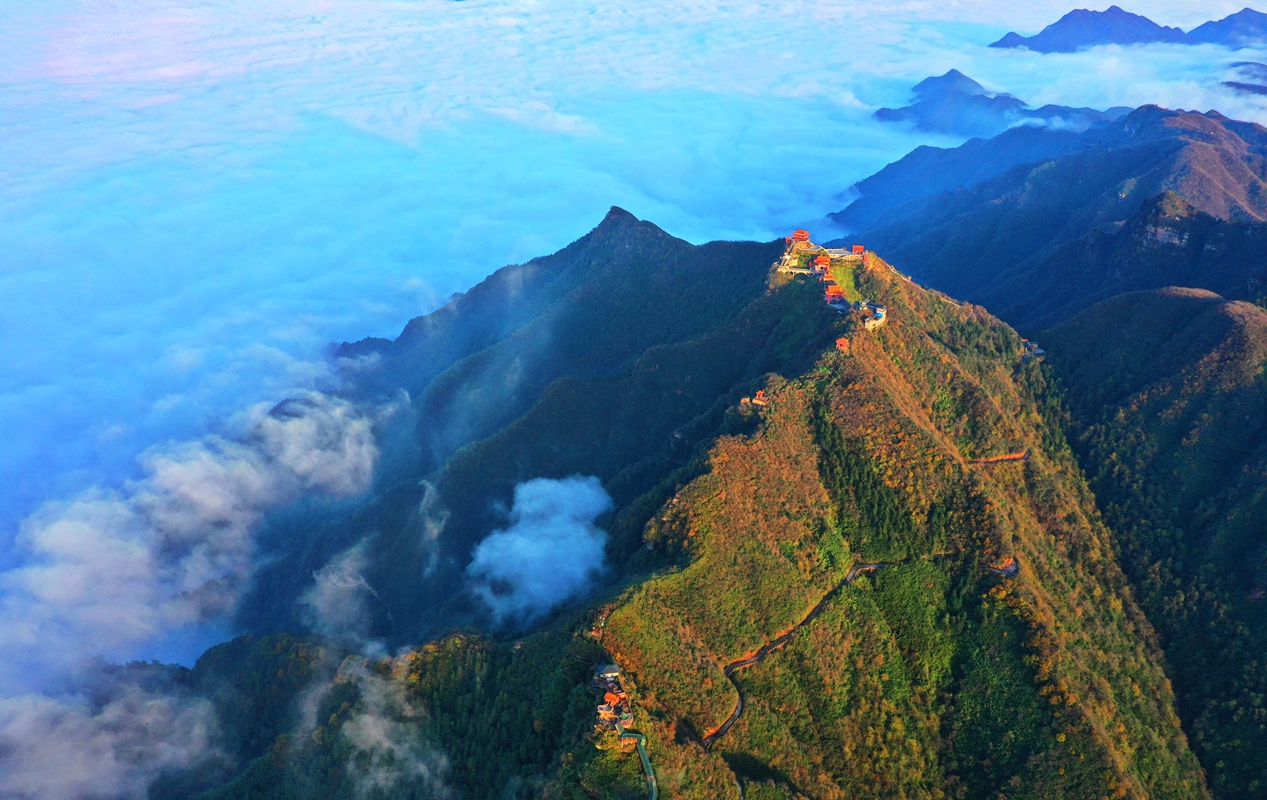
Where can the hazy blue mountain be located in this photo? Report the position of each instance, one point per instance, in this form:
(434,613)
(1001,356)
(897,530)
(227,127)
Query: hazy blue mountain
(955,103)
(1082,28)
(1252,78)
(1242,29)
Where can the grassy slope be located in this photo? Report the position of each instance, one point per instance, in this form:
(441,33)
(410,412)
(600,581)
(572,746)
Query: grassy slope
(765,535)
(1168,420)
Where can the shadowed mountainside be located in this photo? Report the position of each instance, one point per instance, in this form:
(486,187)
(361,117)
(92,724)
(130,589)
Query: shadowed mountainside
(1167,403)
(615,357)
(1156,198)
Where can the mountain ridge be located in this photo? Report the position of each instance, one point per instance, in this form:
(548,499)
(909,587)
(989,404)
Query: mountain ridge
(1084,28)
(955,103)
(993,241)
(996,646)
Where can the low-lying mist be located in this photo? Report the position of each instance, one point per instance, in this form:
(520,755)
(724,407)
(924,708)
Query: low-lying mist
(110,570)
(552,551)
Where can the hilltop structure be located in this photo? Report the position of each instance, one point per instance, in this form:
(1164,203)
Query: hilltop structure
(832,266)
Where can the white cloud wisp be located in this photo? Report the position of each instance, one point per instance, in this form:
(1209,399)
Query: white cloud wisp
(110,570)
(69,749)
(551,552)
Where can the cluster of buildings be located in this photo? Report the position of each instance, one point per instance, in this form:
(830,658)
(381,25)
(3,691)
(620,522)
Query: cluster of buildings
(614,710)
(873,314)
(1031,350)
(803,257)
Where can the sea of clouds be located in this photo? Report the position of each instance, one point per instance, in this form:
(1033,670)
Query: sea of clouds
(196,196)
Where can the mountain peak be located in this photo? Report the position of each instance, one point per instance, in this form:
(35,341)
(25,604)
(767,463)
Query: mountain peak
(1245,27)
(617,223)
(952,81)
(618,214)
(955,103)
(1085,28)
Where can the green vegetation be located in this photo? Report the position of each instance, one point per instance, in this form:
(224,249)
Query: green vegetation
(844,274)
(497,720)
(1166,413)
(931,677)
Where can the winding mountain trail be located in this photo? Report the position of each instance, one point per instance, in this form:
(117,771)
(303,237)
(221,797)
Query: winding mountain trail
(1023,456)
(774,644)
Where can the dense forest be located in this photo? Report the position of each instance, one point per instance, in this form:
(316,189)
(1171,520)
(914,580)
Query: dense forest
(1165,406)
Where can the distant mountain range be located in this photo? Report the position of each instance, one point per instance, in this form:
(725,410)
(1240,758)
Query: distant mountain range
(1082,28)
(1037,224)
(955,103)
(1252,78)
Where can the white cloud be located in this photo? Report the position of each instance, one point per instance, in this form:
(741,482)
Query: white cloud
(337,603)
(551,552)
(109,570)
(72,749)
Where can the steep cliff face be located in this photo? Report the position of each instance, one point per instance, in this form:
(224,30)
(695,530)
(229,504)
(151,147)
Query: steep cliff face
(935,675)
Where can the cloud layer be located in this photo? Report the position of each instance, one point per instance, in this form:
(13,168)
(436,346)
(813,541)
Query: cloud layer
(196,195)
(55,749)
(551,552)
(109,570)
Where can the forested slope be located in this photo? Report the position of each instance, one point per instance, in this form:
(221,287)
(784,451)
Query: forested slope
(614,357)
(1167,405)
(935,676)
(994,649)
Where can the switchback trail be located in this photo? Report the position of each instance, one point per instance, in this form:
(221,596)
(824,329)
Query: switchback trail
(747,661)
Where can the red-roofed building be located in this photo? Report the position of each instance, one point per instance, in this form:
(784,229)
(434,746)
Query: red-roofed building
(823,261)
(859,250)
(842,345)
(800,236)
